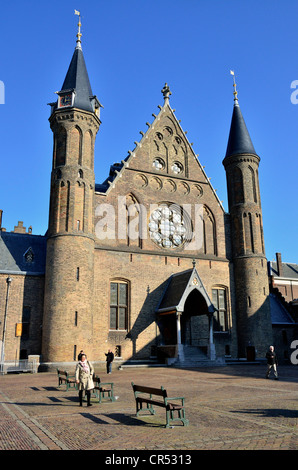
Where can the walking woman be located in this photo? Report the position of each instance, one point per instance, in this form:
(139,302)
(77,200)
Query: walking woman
(84,374)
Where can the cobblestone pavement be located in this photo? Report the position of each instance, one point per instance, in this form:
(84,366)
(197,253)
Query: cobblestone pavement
(229,408)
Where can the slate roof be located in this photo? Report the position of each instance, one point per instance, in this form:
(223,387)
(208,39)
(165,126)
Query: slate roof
(14,246)
(289,270)
(77,79)
(279,315)
(174,290)
(114,170)
(239,139)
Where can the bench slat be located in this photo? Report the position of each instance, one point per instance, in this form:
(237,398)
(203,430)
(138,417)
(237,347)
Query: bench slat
(150,390)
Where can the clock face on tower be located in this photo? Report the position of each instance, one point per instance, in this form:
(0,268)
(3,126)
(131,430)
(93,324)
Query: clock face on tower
(65,100)
(169,226)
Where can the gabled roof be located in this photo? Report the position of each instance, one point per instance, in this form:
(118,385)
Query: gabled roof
(289,270)
(279,314)
(239,139)
(116,170)
(13,250)
(179,287)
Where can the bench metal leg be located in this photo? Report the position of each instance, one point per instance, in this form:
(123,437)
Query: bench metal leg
(148,408)
(181,417)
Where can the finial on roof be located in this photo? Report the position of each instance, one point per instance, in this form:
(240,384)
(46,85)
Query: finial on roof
(166,92)
(79,35)
(235,93)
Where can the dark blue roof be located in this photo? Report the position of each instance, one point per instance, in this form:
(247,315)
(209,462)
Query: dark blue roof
(239,138)
(14,248)
(279,314)
(77,79)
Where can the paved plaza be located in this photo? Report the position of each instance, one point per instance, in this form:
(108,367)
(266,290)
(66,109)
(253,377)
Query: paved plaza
(229,408)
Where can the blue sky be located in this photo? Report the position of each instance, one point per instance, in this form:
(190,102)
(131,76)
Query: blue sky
(131,49)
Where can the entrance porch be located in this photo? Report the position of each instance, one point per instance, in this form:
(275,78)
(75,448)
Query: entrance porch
(185,319)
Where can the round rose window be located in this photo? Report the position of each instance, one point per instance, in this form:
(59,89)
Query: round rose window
(169,226)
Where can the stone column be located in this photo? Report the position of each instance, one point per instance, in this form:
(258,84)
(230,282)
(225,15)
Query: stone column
(179,344)
(211,346)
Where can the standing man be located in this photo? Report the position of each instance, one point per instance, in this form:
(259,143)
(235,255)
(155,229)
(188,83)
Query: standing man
(110,358)
(271,362)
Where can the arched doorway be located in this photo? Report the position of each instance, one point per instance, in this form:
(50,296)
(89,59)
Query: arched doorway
(194,319)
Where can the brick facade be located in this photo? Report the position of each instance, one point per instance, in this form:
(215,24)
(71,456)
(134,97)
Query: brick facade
(113,247)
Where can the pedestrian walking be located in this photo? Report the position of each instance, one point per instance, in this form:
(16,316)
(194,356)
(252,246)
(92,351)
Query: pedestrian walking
(110,358)
(271,362)
(84,377)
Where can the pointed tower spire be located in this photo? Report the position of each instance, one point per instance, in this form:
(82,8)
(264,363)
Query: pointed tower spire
(75,123)
(76,90)
(239,139)
(247,239)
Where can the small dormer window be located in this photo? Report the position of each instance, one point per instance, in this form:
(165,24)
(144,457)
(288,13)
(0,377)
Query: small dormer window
(29,256)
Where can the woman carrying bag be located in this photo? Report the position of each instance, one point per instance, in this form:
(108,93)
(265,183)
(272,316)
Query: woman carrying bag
(84,377)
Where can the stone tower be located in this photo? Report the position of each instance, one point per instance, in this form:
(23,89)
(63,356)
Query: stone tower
(250,266)
(69,284)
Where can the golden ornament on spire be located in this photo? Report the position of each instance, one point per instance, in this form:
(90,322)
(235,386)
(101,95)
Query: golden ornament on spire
(235,93)
(79,35)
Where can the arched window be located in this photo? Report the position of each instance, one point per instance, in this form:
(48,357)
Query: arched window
(210,245)
(119,305)
(238,186)
(60,147)
(253,182)
(219,300)
(134,221)
(88,161)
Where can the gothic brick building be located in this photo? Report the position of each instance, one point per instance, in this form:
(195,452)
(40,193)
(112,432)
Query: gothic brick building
(147,263)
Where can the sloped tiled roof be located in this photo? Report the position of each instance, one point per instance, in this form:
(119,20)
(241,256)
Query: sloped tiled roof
(13,248)
(174,290)
(289,270)
(279,314)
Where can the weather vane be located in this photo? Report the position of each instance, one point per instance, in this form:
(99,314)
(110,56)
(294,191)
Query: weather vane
(235,93)
(79,35)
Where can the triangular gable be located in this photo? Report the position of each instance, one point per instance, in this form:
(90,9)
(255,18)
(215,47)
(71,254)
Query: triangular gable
(117,170)
(179,288)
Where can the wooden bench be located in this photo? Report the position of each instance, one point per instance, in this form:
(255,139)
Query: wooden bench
(145,394)
(102,388)
(65,378)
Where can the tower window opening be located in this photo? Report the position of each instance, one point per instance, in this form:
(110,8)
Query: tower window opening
(78,274)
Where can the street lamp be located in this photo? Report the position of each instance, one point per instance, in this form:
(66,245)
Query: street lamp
(8,281)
